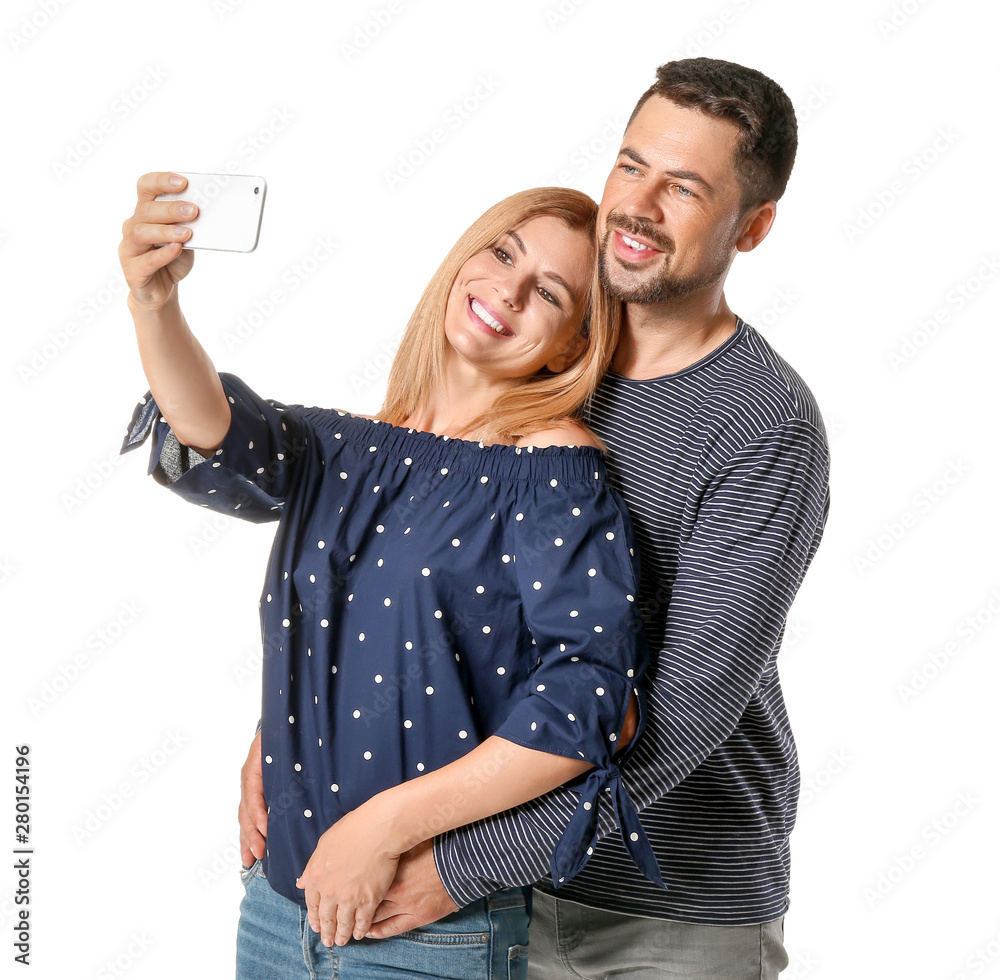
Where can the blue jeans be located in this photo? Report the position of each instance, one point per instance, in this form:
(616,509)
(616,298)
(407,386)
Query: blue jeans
(487,940)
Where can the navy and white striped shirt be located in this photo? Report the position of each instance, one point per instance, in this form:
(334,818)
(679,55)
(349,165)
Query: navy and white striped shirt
(724,466)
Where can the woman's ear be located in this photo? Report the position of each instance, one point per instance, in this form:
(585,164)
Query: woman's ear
(569,354)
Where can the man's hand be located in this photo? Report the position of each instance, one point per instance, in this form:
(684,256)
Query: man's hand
(253,811)
(416,896)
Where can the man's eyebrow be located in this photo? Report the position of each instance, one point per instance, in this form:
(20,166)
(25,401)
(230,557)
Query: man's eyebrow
(554,276)
(679,174)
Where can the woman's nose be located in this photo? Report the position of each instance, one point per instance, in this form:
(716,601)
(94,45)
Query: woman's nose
(510,288)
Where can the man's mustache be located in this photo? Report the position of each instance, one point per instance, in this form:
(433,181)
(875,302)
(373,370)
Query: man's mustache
(639,228)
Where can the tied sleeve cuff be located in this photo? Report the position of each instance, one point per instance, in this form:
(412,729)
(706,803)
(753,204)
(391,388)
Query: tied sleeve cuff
(578,842)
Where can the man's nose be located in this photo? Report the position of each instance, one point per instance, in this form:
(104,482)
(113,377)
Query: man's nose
(643,202)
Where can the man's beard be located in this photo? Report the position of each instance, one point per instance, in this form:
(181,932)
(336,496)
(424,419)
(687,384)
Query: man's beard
(656,288)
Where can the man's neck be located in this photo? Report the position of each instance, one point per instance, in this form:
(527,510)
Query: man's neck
(664,338)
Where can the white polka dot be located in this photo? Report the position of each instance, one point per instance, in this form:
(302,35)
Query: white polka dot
(501,670)
(368,754)
(438,614)
(307,813)
(562,647)
(269,597)
(321,545)
(505,559)
(420,767)
(447,503)
(298,767)
(250,445)
(376,488)
(216,465)
(600,691)
(361,636)
(408,461)
(312,578)
(480,589)
(333,669)
(591,572)
(463,734)
(286,623)
(372,449)
(598,629)
(630,598)
(425,571)
(334,787)
(260,469)
(357,712)
(380,562)
(350,597)
(519,517)
(541,687)
(633,836)
(631,673)
(444,470)
(613,737)
(571,716)
(428,690)
(407,531)
(610,535)
(268,759)
(408,644)
(576,511)
(291,719)
(378,678)
(553,483)
(319,741)
(574,659)
(343,475)
(486,629)
(455,542)
(588,805)
(590,850)
(211,491)
(387,602)
(558,542)
(379,528)
(574,613)
(534,725)
(484,479)
(407,723)
(536,585)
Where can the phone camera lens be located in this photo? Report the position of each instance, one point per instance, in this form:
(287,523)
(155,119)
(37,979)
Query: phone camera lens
(256,190)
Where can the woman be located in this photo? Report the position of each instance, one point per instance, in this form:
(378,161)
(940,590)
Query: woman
(448,616)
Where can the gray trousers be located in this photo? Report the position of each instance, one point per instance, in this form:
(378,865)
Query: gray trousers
(570,941)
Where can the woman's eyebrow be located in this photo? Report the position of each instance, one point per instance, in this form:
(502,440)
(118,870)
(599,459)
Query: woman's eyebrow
(554,276)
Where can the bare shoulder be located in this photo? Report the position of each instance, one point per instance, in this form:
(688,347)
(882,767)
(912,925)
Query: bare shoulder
(561,434)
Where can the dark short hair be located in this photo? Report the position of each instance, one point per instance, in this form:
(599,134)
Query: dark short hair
(768,134)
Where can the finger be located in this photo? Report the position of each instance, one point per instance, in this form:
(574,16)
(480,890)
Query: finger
(164,182)
(251,840)
(142,234)
(346,916)
(362,921)
(258,810)
(327,922)
(165,212)
(393,926)
(138,268)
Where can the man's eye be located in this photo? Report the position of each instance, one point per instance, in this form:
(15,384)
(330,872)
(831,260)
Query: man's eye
(501,254)
(630,169)
(685,191)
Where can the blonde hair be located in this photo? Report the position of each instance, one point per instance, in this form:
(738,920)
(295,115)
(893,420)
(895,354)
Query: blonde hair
(534,403)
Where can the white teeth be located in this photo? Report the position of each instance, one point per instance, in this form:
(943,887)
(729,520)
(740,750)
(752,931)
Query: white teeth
(632,243)
(483,315)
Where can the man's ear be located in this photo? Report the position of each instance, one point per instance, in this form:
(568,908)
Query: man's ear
(755,226)
(569,354)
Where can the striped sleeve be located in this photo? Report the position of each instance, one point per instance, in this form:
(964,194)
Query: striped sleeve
(758,525)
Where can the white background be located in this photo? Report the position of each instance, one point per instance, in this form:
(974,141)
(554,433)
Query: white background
(130,635)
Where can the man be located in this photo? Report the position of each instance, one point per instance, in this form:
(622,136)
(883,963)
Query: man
(719,449)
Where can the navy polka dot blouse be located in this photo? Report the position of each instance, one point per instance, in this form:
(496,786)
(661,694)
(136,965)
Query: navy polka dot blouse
(422,594)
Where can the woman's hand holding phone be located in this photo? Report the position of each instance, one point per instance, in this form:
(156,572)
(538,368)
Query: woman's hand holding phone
(152,273)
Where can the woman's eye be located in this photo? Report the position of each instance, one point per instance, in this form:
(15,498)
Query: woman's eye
(547,296)
(501,254)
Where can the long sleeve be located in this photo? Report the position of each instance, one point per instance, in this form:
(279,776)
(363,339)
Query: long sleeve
(757,527)
(251,472)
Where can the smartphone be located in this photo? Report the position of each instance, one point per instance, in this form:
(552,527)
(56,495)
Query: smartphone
(230,208)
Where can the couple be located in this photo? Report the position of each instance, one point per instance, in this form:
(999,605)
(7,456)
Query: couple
(718,450)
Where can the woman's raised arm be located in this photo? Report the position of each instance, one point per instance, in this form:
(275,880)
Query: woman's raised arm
(180,373)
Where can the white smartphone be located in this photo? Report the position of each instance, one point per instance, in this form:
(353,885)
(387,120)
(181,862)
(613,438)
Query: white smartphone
(230,208)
